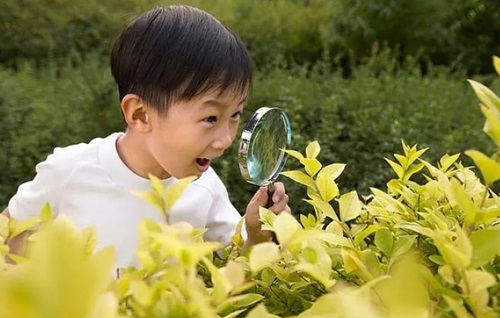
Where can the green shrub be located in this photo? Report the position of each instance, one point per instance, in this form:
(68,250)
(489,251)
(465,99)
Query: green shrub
(419,249)
(43,109)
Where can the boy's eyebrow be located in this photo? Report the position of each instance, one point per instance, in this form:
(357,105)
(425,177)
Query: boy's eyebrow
(214,102)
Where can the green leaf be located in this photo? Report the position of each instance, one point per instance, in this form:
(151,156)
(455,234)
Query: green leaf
(311,165)
(262,255)
(496,64)
(326,186)
(313,149)
(300,177)
(485,95)
(485,246)
(237,302)
(349,206)
(490,169)
(260,312)
(457,307)
(384,241)
(403,244)
(333,170)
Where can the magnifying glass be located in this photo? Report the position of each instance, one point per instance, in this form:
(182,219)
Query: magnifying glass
(260,157)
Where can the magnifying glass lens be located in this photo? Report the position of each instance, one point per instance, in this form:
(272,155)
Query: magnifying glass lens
(264,155)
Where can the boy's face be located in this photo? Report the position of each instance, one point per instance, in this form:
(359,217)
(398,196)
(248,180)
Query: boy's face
(184,141)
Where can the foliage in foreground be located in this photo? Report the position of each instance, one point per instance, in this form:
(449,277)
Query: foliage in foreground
(419,249)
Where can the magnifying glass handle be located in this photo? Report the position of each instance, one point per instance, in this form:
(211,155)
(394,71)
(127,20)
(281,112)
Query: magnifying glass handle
(270,192)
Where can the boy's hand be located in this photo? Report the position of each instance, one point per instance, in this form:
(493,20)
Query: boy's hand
(252,219)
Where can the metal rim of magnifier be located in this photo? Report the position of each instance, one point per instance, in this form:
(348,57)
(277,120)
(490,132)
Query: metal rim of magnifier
(246,137)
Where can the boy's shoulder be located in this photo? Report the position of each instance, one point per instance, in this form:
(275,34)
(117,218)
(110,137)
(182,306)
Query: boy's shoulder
(72,156)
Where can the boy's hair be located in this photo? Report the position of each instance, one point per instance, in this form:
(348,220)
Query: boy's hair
(175,53)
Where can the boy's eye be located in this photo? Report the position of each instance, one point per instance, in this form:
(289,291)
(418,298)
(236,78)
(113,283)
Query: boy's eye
(211,119)
(236,115)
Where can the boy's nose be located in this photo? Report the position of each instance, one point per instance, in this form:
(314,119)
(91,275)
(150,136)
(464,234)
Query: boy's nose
(224,139)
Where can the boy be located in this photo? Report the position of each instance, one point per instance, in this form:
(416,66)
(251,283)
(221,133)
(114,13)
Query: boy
(183,79)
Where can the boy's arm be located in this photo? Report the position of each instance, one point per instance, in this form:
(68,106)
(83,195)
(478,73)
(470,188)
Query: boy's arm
(16,244)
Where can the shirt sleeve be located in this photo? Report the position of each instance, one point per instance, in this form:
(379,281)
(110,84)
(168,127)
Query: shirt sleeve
(45,187)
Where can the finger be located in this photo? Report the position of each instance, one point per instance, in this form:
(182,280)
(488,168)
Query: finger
(281,205)
(259,199)
(279,192)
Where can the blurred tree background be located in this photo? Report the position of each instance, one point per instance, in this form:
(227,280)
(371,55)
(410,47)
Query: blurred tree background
(356,75)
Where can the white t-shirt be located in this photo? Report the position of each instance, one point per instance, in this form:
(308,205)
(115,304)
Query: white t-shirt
(91,185)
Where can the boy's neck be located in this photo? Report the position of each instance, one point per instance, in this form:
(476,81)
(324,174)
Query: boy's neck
(133,151)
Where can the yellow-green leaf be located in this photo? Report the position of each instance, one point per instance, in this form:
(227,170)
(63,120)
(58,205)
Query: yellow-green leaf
(260,312)
(313,149)
(46,213)
(349,206)
(156,184)
(323,207)
(490,169)
(297,155)
(241,301)
(463,200)
(300,177)
(333,170)
(174,191)
(152,198)
(234,273)
(326,186)
(262,255)
(384,241)
(496,64)
(485,95)
(485,246)
(17,227)
(311,165)
(285,226)
(396,167)
(493,124)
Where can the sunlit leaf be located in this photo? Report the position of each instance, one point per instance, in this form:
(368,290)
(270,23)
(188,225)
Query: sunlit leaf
(262,255)
(46,213)
(311,165)
(485,95)
(326,186)
(496,64)
(300,177)
(174,191)
(396,167)
(313,149)
(19,226)
(152,198)
(156,184)
(260,311)
(297,155)
(490,169)
(333,170)
(457,307)
(349,206)
(358,238)
(324,208)
(285,226)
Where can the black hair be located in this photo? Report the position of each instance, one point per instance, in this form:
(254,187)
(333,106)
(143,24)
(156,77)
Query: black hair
(176,53)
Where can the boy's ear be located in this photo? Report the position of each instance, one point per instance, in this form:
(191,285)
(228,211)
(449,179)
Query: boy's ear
(135,113)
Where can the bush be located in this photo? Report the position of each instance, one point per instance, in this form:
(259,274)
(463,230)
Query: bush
(363,119)
(429,248)
(56,106)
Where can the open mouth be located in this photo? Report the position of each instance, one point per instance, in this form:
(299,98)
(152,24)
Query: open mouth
(203,163)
